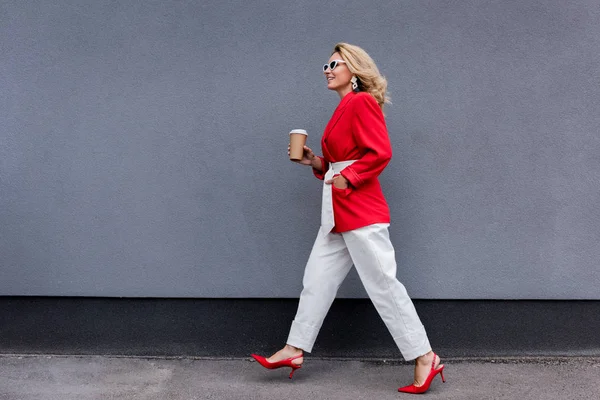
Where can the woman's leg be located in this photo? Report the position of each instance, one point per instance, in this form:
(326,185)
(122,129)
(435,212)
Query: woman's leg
(375,262)
(326,269)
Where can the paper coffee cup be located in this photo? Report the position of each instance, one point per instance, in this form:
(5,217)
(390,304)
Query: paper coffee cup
(297,142)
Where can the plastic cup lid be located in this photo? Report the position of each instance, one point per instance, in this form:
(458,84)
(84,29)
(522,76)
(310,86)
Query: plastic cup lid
(300,131)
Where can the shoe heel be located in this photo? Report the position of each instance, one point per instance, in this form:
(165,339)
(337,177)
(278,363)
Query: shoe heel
(442,375)
(293,370)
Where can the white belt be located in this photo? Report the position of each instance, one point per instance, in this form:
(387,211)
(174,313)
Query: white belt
(327,220)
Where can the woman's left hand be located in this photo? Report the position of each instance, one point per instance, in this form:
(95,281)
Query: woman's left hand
(339,182)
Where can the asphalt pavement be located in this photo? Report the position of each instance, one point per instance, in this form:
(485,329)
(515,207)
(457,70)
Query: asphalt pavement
(46,377)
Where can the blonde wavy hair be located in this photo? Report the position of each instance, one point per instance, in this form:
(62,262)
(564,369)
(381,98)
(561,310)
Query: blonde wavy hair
(363,66)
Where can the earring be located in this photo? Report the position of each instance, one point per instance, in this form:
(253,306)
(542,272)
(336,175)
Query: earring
(354,83)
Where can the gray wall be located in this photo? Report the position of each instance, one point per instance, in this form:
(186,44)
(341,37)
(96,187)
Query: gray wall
(143,145)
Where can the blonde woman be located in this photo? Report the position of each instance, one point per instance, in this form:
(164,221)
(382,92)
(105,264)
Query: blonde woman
(354,221)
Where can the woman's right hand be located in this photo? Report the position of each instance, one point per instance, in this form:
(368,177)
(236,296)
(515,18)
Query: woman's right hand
(307,157)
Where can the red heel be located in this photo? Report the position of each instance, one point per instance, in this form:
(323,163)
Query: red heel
(425,386)
(278,364)
(294,368)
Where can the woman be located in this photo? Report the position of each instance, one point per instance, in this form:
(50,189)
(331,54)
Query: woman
(354,221)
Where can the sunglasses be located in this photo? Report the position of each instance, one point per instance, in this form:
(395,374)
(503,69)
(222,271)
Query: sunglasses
(332,65)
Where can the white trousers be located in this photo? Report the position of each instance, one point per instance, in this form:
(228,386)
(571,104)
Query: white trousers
(370,250)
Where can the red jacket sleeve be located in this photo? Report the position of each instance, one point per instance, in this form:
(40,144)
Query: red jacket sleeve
(371,137)
(324,167)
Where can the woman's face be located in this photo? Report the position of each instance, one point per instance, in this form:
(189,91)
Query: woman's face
(338,79)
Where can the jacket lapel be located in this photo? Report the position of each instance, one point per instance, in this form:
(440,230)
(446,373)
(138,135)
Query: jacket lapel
(338,113)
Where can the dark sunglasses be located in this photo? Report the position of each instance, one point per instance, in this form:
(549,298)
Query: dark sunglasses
(333,64)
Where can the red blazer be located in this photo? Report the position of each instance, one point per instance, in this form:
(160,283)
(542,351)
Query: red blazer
(357,131)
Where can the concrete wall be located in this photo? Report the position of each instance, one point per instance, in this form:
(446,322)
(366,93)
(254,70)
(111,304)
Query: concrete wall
(143,145)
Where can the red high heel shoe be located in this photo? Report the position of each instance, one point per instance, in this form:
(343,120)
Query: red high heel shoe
(425,386)
(278,364)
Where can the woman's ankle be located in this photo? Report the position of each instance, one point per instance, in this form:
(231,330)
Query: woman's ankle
(425,358)
(292,349)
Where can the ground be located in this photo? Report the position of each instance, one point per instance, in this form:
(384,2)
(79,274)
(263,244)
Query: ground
(45,377)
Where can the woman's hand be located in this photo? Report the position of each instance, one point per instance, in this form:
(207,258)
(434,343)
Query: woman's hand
(307,157)
(339,182)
